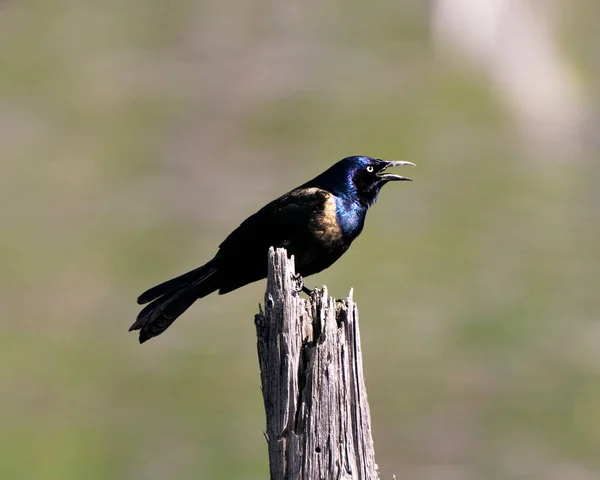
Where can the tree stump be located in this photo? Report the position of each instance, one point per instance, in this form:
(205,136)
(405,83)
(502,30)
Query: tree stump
(318,421)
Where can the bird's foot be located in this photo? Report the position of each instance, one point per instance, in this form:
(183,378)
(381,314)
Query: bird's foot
(297,283)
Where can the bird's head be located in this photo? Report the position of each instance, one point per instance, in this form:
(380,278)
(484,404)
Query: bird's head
(361,177)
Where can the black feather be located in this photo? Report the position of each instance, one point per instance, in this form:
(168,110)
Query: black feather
(315,222)
(169,285)
(170,299)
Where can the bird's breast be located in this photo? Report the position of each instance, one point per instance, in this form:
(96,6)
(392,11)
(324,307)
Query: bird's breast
(332,226)
(339,222)
(350,217)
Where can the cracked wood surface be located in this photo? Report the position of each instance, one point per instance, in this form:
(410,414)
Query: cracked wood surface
(318,421)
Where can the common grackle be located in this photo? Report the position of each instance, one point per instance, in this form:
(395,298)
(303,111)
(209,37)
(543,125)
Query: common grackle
(316,222)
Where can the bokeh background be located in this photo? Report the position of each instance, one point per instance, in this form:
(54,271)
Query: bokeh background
(134,135)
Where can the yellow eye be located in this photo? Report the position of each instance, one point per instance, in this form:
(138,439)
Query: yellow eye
(370,169)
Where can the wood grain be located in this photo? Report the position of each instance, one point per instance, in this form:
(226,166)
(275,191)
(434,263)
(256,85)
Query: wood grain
(318,421)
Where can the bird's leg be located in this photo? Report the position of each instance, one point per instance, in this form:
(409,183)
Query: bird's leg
(300,287)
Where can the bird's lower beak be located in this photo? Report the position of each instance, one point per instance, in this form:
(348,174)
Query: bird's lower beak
(392,177)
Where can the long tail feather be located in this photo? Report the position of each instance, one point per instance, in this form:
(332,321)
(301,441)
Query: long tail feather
(173,297)
(169,285)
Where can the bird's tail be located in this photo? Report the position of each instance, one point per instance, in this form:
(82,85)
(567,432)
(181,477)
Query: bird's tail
(173,297)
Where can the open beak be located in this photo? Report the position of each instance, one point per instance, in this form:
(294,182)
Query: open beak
(390,176)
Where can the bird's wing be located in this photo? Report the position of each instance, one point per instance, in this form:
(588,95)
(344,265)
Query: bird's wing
(277,223)
(294,221)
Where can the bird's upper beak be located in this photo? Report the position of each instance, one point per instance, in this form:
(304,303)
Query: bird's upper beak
(390,176)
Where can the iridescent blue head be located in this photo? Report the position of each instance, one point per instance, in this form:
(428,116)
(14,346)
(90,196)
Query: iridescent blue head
(359,178)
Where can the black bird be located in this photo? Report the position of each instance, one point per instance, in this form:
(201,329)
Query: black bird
(316,222)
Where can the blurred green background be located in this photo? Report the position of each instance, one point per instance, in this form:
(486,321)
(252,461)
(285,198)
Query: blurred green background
(134,136)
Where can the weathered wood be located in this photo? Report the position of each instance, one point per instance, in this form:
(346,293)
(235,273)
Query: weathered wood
(318,421)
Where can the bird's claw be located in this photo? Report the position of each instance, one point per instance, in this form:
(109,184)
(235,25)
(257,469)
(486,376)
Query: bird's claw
(299,285)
